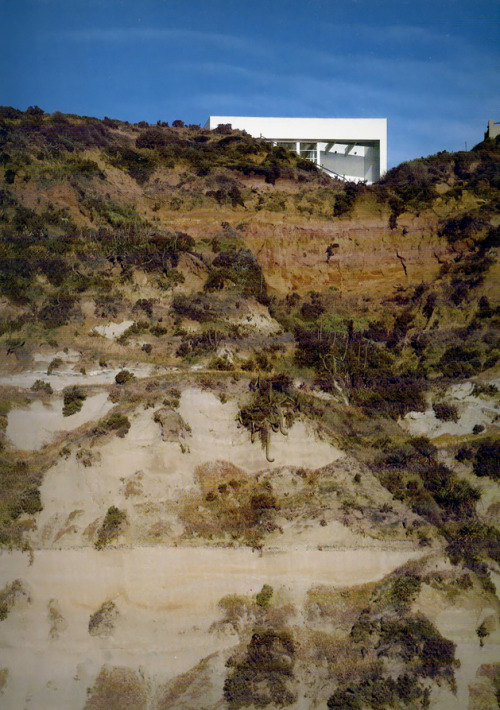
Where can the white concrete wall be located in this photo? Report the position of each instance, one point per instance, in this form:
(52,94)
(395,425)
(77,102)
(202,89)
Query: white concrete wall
(353,161)
(493,130)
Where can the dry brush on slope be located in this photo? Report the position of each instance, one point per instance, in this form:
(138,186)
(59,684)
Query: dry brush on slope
(184,237)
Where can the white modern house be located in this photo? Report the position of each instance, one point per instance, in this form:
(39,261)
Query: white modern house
(353,149)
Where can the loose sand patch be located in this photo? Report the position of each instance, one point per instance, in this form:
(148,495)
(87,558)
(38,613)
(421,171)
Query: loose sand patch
(59,379)
(167,601)
(472,410)
(215,435)
(30,429)
(113,330)
(91,482)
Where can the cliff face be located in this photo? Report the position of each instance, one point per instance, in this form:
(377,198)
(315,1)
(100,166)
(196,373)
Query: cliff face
(358,254)
(308,232)
(249,425)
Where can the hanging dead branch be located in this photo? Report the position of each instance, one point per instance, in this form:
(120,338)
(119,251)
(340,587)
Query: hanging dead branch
(272,409)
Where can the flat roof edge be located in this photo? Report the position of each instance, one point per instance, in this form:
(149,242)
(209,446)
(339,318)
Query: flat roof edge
(303,118)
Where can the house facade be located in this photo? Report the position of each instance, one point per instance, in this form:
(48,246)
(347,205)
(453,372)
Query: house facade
(492,131)
(353,149)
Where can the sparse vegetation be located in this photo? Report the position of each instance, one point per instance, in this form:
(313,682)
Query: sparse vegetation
(265,674)
(75,249)
(102,621)
(115,422)
(111,527)
(9,595)
(41,386)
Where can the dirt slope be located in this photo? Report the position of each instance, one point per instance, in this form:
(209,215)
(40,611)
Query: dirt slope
(249,425)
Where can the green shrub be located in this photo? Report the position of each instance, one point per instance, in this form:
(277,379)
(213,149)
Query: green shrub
(423,445)
(457,361)
(57,310)
(138,165)
(10,112)
(196,307)
(54,364)
(417,640)
(145,304)
(344,201)
(73,400)
(468,225)
(265,674)
(464,453)
(405,589)
(86,168)
(41,386)
(398,455)
(30,501)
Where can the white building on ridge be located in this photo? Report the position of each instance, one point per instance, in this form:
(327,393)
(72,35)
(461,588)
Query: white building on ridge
(350,148)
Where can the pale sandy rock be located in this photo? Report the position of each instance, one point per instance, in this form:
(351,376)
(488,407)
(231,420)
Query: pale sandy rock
(30,429)
(70,356)
(173,426)
(59,379)
(113,330)
(472,410)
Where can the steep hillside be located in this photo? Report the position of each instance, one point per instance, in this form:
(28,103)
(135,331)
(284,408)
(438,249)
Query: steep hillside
(249,426)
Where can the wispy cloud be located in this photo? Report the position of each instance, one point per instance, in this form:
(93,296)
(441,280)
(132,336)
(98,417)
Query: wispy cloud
(351,86)
(152,34)
(397,33)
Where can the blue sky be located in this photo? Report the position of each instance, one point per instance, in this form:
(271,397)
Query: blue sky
(431,67)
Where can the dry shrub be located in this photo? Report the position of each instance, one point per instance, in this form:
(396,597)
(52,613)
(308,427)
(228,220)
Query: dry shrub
(123,376)
(117,688)
(111,527)
(10,595)
(215,473)
(73,400)
(345,661)
(446,412)
(241,509)
(237,611)
(102,622)
(340,606)
(487,460)
(265,674)
(56,620)
(115,422)
(170,695)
